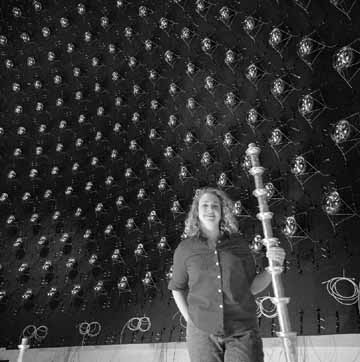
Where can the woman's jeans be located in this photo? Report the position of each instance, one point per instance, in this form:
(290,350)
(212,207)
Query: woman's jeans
(204,347)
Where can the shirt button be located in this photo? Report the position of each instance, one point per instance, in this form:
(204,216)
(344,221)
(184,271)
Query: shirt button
(219,276)
(218,241)
(217,263)
(219,290)
(220,306)
(215,252)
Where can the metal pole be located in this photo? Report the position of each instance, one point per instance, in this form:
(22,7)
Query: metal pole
(288,337)
(22,348)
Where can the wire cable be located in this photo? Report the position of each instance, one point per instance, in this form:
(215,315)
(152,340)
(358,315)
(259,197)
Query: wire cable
(262,311)
(182,320)
(91,329)
(38,333)
(331,286)
(142,324)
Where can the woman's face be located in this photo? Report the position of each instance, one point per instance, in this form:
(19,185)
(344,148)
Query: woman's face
(209,211)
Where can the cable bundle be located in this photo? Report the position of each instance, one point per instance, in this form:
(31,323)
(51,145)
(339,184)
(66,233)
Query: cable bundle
(142,324)
(262,311)
(39,333)
(91,329)
(331,286)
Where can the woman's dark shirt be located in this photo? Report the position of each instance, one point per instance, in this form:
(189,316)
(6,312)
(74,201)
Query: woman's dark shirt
(218,283)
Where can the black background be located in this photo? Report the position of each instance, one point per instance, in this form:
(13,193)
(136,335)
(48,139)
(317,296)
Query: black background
(325,251)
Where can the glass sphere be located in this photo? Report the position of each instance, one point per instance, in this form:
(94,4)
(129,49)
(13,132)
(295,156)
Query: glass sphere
(115,76)
(143,11)
(76,71)
(87,36)
(39,106)
(3,40)
(9,64)
(148,45)
(278,87)
(189,138)
(16,87)
(341,132)
(132,62)
(200,6)
(95,61)
(51,56)
(81,9)
(104,22)
(210,120)
(270,190)
(64,22)
(275,37)
(343,58)
(169,152)
(45,31)
(163,23)
(306,104)
(30,61)
(251,72)
(190,68)
(37,6)
(276,137)
(206,159)
(185,33)
(70,47)
(57,79)
(191,103)
(299,166)
(128,32)
(206,44)
(19,109)
(225,13)
(290,226)
(332,202)
(305,47)
(25,37)
(169,56)
(209,83)
(172,121)
(173,89)
(100,111)
(111,48)
(230,99)
(118,101)
(252,116)
(229,57)
(16,12)
(162,184)
(37,84)
(154,104)
(78,95)
(59,102)
(249,24)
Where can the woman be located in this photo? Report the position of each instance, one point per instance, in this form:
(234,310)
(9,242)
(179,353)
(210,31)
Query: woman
(213,265)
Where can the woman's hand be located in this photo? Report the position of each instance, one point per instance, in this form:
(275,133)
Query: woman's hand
(276,254)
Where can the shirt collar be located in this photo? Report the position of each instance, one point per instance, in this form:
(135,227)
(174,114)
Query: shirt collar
(223,236)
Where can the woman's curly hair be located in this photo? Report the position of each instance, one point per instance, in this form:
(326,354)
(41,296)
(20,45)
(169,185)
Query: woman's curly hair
(228,222)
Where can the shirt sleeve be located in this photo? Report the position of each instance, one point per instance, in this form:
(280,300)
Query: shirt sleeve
(251,267)
(249,263)
(179,279)
(248,259)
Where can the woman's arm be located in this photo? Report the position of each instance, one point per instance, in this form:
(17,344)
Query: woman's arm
(260,282)
(180,300)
